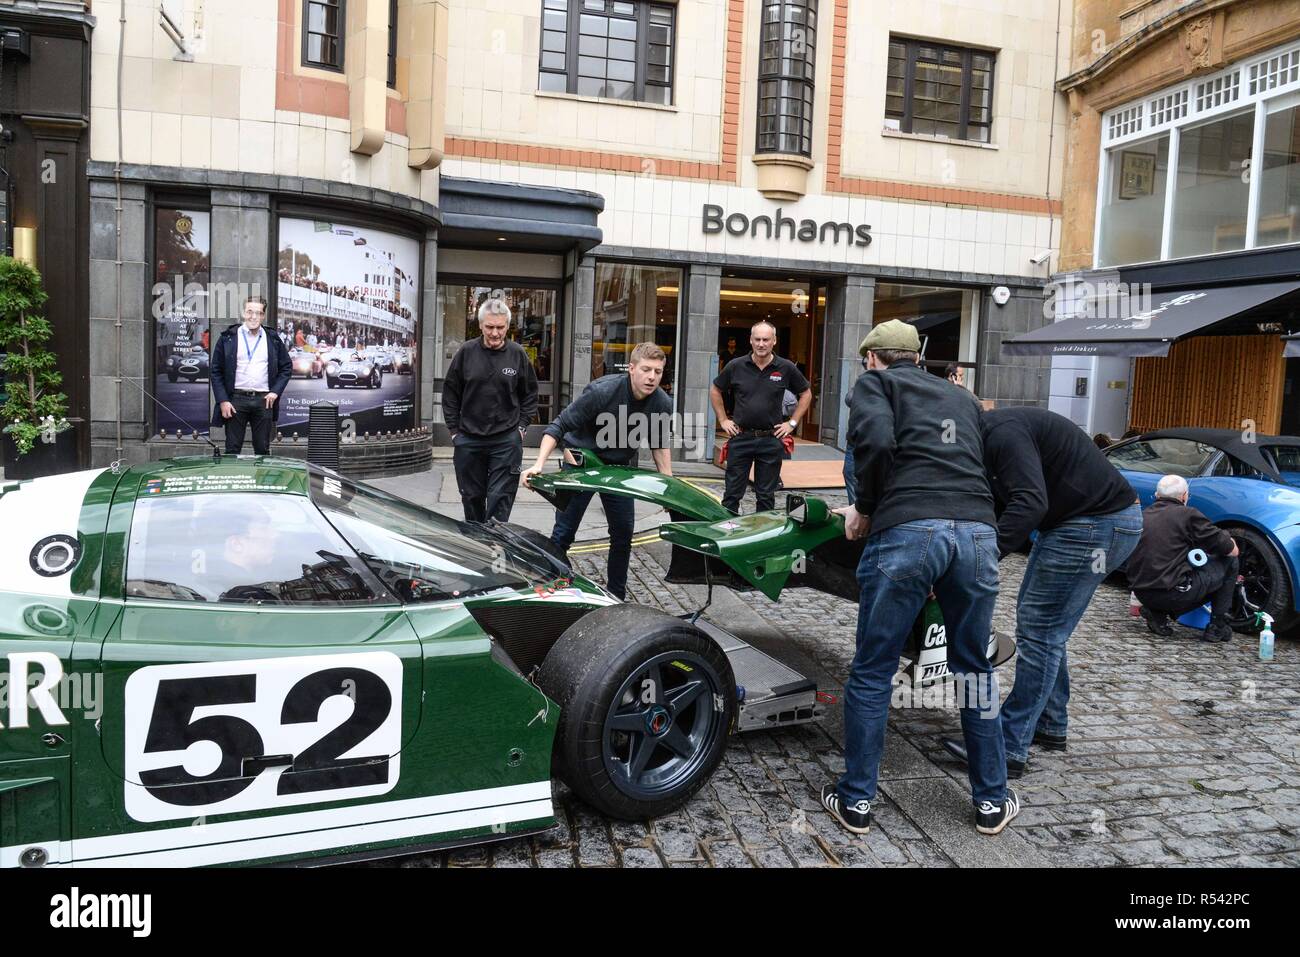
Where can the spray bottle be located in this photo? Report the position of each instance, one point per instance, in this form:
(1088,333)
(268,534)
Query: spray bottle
(1265,636)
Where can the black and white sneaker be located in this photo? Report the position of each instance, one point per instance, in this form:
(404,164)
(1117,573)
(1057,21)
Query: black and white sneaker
(991,818)
(855,817)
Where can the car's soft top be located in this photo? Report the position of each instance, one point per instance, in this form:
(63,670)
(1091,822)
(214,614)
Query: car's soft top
(1232,441)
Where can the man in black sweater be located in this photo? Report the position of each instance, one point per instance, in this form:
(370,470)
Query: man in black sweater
(1181,560)
(1048,476)
(615,415)
(923,503)
(488,399)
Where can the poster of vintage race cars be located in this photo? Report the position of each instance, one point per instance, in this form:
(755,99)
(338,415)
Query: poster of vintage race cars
(181,320)
(347,308)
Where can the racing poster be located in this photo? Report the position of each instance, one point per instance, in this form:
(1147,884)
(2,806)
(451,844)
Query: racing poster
(180,312)
(347,301)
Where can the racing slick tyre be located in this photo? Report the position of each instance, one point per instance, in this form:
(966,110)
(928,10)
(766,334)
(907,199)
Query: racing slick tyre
(1268,585)
(646,702)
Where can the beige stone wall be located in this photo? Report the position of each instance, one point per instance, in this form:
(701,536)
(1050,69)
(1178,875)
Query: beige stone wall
(219,111)
(492,63)
(1023,33)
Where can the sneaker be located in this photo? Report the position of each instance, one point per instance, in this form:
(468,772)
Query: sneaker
(1050,742)
(991,818)
(1217,630)
(855,817)
(1157,622)
(958,750)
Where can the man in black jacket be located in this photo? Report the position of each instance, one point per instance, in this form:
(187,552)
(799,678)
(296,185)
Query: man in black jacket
(488,400)
(1048,476)
(1181,561)
(755,386)
(249,371)
(922,500)
(615,415)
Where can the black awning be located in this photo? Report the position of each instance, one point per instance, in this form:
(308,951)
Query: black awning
(480,213)
(1149,331)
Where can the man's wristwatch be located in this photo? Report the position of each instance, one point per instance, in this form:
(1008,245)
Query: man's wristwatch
(793,423)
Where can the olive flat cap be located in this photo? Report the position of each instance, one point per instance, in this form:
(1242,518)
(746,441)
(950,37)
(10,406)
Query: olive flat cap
(894,334)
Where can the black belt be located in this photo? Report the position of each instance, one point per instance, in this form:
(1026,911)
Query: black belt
(251,392)
(758,432)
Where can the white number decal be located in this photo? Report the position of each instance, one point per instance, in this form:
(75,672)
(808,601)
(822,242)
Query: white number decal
(223,737)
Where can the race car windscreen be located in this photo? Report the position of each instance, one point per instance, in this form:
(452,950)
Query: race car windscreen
(420,555)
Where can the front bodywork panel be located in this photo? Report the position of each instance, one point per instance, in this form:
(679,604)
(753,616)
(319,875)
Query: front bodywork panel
(682,500)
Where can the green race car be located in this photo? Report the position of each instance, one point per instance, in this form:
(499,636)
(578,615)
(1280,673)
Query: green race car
(254,660)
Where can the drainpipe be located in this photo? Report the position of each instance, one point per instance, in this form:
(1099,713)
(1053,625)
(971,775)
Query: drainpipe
(117,180)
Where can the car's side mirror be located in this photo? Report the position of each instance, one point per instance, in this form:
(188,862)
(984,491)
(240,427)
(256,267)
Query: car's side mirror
(807,511)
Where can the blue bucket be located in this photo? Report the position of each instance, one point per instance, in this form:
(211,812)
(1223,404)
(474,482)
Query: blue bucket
(1196,618)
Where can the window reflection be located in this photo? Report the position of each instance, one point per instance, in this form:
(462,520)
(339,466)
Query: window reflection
(242,547)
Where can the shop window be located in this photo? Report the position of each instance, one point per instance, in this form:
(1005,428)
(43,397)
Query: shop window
(182,337)
(634,304)
(1213,188)
(618,49)
(1133,211)
(785,76)
(534,313)
(322,33)
(1279,191)
(939,90)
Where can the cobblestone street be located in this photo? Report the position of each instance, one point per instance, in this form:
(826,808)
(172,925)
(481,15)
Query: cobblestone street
(1180,753)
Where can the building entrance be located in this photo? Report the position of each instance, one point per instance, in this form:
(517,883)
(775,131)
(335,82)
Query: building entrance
(797,308)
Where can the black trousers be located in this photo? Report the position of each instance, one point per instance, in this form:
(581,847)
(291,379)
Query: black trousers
(763,452)
(487,474)
(1214,581)
(250,410)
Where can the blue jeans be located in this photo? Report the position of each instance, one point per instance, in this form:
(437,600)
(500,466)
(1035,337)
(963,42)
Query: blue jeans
(850,476)
(900,566)
(1065,567)
(620,511)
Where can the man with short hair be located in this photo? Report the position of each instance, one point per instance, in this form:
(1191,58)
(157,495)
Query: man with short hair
(612,417)
(249,370)
(1181,561)
(756,384)
(489,398)
(923,504)
(1048,477)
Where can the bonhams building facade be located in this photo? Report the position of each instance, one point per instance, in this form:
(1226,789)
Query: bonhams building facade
(618,170)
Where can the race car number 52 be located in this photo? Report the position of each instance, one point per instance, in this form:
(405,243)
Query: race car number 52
(231,736)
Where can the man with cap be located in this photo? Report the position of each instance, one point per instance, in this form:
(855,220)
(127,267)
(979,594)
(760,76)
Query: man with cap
(757,384)
(922,502)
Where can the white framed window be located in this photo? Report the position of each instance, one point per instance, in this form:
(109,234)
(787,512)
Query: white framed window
(1209,166)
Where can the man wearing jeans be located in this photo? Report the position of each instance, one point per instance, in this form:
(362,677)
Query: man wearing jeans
(1047,475)
(612,417)
(250,369)
(923,503)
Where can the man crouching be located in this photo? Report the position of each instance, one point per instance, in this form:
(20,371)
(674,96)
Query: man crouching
(924,505)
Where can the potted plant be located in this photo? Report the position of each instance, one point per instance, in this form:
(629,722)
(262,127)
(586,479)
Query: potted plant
(35,411)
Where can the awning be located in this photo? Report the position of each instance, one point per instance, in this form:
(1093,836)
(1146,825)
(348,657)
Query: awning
(1170,316)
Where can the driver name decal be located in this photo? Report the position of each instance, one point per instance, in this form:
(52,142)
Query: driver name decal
(232,736)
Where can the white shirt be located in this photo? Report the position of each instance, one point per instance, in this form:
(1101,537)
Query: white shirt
(251,372)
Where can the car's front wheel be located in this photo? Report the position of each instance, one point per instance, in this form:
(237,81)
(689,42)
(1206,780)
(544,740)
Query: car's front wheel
(646,703)
(1268,586)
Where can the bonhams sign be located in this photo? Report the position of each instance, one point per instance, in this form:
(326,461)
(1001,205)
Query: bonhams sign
(780,227)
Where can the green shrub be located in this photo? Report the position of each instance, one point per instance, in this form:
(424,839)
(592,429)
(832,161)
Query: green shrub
(36,410)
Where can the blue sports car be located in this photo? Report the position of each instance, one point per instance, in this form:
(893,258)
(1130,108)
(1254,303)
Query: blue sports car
(1246,483)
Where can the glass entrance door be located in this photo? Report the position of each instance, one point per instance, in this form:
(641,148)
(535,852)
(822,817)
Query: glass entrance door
(796,307)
